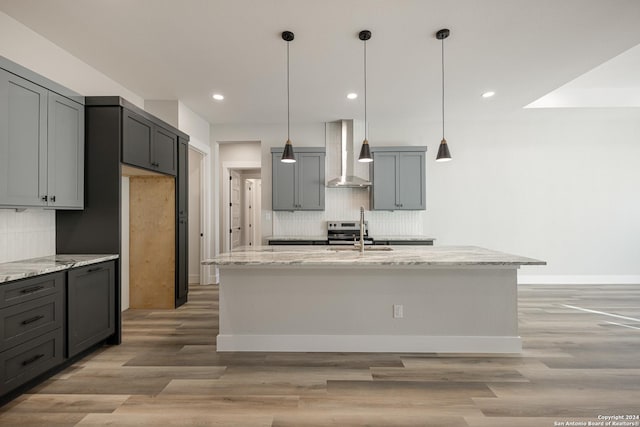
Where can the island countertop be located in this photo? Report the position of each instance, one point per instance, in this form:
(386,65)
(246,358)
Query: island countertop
(16,270)
(331,256)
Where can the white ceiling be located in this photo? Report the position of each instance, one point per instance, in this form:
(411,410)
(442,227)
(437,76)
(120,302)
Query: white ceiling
(190,49)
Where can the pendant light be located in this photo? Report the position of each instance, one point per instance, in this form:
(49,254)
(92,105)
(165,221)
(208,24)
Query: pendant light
(443,151)
(365,152)
(287,155)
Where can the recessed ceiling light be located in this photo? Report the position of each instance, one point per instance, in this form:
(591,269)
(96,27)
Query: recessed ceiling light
(488,94)
(352,95)
(218,97)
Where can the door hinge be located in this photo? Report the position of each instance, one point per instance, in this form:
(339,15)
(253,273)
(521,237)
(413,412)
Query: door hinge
(230,204)
(230,231)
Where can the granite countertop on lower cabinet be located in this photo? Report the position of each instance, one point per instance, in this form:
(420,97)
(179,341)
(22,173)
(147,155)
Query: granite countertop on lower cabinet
(332,256)
(22,269)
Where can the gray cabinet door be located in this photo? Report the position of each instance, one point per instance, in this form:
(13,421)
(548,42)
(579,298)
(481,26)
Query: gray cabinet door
(283,184)
(384,172)
(412,181)
(398,179)
(182,282)
(90,305)
(65,169)
(23,142)
(165,151)
(310,181)
(183,178)
(137,136)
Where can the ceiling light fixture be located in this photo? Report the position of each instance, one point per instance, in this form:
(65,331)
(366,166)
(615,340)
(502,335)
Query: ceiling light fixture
(443,151)
(287,155)
(352,95)
(488,94)
(365,152)
(218,97)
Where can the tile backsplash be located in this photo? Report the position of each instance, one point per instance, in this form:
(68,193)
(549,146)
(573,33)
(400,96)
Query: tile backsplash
(27,234)
(344,204)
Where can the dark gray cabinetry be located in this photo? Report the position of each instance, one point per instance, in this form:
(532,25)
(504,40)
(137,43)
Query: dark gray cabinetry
(182,229)
(147,145)
(300,185)
(398,178)
(32,336)
(41,143)
(97,229)
(91,306)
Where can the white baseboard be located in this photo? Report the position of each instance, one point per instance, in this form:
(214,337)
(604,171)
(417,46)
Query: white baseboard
(529,279)
(194,278)
(370,343)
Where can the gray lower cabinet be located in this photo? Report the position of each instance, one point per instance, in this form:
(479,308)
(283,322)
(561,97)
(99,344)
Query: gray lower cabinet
(301,185)
(398,178)
(31,340)
(91,306)
(41,145)
(147,145)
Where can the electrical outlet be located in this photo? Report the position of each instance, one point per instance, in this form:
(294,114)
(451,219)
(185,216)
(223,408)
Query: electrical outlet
(398,311)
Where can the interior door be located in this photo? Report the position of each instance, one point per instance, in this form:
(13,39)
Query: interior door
(235,210)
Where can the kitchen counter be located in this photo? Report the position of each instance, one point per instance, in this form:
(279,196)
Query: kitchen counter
(424,299)
(22,269)
(334,256)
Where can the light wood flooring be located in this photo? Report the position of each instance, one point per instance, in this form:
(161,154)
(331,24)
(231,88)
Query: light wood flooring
(575,366)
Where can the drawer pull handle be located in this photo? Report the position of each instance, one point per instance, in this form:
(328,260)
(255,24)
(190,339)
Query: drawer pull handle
(92,270)
(32,319)
(30,360)
(31,290)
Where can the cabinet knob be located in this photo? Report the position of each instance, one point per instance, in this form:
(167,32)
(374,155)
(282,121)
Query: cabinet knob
(44,198)
(53,198)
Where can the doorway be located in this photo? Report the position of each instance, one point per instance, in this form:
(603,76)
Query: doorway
(239,161)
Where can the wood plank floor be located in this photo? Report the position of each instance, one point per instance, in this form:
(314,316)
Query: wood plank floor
(576,365)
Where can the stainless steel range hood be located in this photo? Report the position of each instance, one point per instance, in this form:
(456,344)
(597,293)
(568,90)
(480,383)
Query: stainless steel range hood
(341,158)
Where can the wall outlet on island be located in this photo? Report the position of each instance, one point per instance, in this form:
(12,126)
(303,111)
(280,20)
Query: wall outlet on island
(398,311)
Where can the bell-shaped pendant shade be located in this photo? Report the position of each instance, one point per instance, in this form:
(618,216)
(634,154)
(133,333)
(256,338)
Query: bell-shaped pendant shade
(365,153)
(443,152)
(287,155)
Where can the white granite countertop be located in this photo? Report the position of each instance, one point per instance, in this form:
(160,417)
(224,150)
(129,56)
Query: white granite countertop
(328,256)
(49,264)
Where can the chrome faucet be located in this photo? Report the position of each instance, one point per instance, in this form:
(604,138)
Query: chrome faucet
(361,229)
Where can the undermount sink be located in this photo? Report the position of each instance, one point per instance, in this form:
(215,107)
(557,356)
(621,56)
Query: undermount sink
(366,248)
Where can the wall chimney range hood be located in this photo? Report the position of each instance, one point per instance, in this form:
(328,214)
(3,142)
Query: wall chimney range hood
(340,152)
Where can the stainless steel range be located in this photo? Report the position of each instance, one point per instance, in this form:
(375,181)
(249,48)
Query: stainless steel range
(347,232)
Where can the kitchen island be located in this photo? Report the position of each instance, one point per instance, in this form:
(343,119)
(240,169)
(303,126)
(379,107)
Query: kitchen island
(460,299)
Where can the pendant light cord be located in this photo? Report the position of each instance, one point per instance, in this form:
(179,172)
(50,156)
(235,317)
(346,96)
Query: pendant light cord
(442,88)
(365,91)
(288,102)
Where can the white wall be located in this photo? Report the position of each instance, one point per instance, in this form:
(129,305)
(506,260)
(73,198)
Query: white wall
(24,46)
(124,243)
(27,234)
(557,185)
(195,200)
(32,233)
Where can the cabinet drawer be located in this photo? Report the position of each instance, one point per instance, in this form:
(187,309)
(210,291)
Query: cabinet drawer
(30,289)
(23,322)
(26,361)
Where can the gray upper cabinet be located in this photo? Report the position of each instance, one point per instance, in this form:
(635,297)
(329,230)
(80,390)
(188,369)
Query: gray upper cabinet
(398,178)
(65,152)
(23,142)
(41,145)
(147,145)
(301,185)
